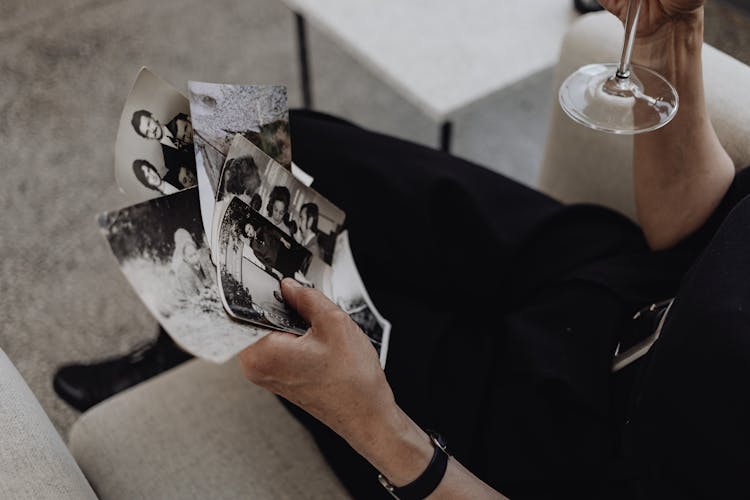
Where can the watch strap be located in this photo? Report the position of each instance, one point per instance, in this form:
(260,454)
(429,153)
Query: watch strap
(429,480)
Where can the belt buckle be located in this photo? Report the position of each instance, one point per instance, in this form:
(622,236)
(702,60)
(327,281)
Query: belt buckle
(627,357)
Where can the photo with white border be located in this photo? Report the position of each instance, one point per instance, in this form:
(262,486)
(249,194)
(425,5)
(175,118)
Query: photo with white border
(154,153)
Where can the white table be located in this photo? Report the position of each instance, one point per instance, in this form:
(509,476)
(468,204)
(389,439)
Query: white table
(440,55)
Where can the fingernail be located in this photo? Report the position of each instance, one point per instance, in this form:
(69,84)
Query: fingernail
(292,283)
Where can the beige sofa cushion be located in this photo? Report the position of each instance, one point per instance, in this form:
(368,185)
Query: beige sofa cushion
(34,461)
(582,165)
(199,431)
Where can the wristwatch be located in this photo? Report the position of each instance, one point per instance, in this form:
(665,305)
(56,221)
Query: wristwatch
(429,480)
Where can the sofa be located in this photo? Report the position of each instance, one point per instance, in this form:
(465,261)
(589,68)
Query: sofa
(201,431)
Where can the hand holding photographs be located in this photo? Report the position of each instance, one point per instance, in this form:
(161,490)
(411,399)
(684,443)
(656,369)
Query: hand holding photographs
(263,223)
(272,226)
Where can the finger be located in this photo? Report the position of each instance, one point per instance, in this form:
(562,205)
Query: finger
(309,303)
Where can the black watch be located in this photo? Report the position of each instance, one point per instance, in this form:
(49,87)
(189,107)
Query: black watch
(429,480)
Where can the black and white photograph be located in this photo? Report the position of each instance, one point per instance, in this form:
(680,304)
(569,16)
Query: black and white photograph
(149,176)
(241,177)
(254,256)
(296,209)
(162,250)
(349,293)
(154,147)
(219,112)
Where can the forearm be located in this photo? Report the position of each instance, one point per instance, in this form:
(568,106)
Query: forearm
(680,171)
(401,451)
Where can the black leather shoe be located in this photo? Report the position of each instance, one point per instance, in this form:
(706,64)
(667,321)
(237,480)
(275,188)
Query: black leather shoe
(584,6)
(83,386)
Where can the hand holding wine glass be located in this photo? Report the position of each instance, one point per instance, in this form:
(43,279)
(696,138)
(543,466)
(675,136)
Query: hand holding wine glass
(680,172)
(655,14)
(625,98)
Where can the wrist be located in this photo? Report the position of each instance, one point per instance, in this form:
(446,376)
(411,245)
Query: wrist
(673,46)
(397,447)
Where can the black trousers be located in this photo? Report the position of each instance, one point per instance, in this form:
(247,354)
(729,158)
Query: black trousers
(506,308)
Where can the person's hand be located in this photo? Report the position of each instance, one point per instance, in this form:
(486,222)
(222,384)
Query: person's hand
(657,14)
(332,371)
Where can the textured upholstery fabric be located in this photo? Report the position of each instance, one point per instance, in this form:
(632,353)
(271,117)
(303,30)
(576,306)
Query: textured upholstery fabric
(199,431)
(34,461)
(582,165)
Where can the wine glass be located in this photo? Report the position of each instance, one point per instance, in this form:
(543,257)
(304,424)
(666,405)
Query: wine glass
(620,98)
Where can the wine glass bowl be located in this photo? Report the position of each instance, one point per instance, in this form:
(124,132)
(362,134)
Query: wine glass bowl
(620,98)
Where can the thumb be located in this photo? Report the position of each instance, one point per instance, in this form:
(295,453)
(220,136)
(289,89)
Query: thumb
(309,303)
(263,359)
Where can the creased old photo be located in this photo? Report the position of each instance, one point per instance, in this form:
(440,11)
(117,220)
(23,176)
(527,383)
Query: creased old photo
(154,148)
(161,248)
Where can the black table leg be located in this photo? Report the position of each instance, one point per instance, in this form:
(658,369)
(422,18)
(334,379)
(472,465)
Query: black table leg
(304,62)
(446,135)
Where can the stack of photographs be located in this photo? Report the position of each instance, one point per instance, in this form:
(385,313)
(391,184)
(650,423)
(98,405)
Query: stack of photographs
(222,215)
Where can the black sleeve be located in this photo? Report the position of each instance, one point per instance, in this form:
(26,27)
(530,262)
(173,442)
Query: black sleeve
(689,430)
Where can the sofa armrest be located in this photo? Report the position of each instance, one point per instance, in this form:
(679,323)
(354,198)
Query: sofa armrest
(199,431)
(583,165)
(34,461)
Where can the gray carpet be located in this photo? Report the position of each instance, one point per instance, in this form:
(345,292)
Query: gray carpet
(64,75)
(65,70)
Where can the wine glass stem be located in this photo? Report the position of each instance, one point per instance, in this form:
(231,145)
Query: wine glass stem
(631,27)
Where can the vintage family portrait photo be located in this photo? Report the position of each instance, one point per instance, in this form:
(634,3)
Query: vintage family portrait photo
(254,256)
(154,147)
(273,191)
(162,250)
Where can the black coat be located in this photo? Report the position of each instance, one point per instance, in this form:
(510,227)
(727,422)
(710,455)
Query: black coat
(506,309)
